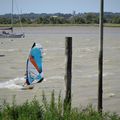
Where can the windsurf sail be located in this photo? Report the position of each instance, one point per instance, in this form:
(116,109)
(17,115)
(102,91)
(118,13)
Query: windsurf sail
(34,67)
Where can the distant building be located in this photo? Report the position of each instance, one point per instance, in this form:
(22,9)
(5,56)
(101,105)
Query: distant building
(74,13)
(54,16)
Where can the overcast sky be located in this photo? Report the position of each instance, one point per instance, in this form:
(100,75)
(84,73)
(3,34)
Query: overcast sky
(54,6)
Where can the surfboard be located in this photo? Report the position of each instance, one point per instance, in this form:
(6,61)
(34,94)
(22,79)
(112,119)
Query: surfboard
(27,87)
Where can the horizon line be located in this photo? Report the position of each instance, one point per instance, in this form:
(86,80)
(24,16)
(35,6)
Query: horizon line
(58,12)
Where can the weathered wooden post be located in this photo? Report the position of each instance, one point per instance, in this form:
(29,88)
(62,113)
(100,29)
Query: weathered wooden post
(100,60)
(68,70)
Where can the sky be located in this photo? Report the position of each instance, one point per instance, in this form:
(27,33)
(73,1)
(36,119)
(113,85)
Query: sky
(55,6)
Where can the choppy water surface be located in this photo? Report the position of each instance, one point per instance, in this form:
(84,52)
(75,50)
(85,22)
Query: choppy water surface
(14,53)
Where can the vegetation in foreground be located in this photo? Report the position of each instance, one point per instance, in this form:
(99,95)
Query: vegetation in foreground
(51,111)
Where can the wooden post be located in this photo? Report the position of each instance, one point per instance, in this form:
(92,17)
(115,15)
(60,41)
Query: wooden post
(100,61)
(68,74)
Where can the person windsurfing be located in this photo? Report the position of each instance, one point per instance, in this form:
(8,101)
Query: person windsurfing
(34,67)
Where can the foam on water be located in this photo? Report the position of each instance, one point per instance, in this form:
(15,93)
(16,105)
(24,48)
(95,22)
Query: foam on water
(54,78)
(15,83)
(8,50)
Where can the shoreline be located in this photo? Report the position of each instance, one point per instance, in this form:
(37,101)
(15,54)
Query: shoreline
(62,25)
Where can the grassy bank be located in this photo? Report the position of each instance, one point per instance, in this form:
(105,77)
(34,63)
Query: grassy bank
(52,110)
(42,25)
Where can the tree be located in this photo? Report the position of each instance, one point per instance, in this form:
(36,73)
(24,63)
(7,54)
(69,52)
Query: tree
(25,20)
(116,19)
(91,18)
(39,20)
(5,20)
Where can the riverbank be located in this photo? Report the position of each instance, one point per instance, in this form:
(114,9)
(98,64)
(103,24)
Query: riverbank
(52,110)
(47,25)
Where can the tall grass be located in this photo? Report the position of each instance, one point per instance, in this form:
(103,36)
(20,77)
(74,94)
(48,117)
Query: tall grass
(27,111)
(52,110)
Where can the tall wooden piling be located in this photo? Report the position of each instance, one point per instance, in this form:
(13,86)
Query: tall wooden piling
(100,60)
(68,71)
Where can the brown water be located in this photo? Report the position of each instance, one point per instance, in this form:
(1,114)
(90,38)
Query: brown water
(85,65)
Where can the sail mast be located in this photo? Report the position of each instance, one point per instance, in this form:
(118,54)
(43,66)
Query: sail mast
(12,18)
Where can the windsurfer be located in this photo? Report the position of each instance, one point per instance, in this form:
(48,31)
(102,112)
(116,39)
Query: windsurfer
(34,71)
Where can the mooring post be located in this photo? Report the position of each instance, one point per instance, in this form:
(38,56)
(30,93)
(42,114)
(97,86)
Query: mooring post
(100,60)
(68,72)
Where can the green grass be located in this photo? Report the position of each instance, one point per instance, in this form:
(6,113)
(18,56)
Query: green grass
(52,110)
(47,25)
(42,25)
(111,25)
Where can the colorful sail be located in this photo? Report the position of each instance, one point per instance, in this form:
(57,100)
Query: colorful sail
(34,68)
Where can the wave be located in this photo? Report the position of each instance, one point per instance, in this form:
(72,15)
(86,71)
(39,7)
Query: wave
(54,78)
(15,83)
(8,50)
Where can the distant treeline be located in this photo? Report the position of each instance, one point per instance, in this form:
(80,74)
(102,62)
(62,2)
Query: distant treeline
(60,18)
